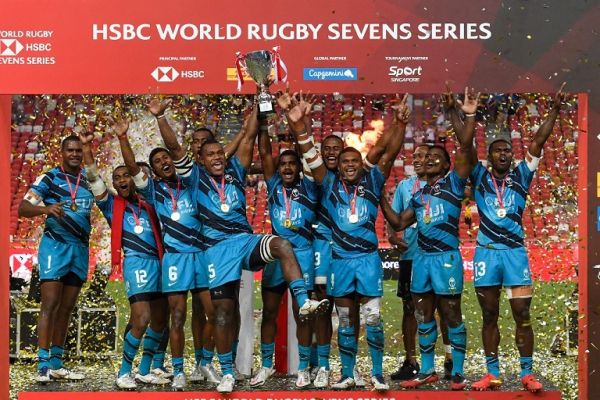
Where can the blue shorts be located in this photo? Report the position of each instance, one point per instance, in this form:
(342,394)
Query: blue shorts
(322,249)
(226,259)
(201,278)
(495,267)
(179,271)
(141,275)
(273,276)
(441,273)
(363,275)
(57,259)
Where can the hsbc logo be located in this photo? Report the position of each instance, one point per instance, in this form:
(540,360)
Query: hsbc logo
(169,74)
(10,47)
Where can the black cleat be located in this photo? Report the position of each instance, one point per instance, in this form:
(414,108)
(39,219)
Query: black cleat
(406,371)
(448,364)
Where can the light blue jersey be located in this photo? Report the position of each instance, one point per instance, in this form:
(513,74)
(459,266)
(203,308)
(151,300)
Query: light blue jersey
(402,197)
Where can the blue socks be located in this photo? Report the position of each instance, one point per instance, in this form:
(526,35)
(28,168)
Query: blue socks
(323,351)
(348,347)
(304,356)
(375,342)
(177,365)
(43,358)
(526,365)
(314,355)
(299,290)
(159,355)
(56,355)
(266,354)
(427,337)
(207,357)
(493,365)
(458,341)
(226,361)
(131,344)
(234,347)
(151,342)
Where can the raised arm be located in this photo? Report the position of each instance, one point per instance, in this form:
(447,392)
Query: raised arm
(158,108)
(120,128)
(545,129)
(96,183)
(449,104)
(397,221)
(393,138)
(466,157)
(245,149)
(296,111)
(266,154)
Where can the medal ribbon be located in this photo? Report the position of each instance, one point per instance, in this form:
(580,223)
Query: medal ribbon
(73,193)
(219,190)
(136,217)
(175,198)
(352,199)
(499,193)
(428,204)
(288,203)
(239,65)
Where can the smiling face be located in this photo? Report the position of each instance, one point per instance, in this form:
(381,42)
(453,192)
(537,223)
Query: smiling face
(72,154)
(199,137)
(123,182)
(436,163)
(212,156)
(419,160)
(289,169)
(162,164)
(500,156)
(350,166)
(331,148)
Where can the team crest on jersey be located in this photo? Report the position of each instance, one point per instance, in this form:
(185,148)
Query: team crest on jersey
(361,190)
(436,189)
(509,181)
(295,194)
(452,283)
(525,273)
(228,178)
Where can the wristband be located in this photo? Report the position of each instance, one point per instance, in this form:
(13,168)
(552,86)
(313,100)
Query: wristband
(161,116)
(309,139)
(316,163)
(470,115)
(310,153)
(98,187)
(368,163)
(91,172)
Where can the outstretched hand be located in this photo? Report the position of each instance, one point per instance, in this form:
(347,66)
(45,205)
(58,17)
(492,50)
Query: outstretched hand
(119,126)
(448,100)
(158,107)
(469,106)
(86,136)
(400,109)
(300,108)
(560,97)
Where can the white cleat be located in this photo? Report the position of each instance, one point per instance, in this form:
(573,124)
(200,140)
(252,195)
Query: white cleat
(322,379)
(344,384)
(379,383)
(210,374)
(226,385)
(261,376)
(179,382)
(43,375)
(126,382)
(163,373)
(312,307)
(67,374)
(151,379)
(196,375)
(303,379)
(358,378)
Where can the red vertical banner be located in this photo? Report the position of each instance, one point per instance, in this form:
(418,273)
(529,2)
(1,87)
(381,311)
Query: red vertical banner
(4,239)
(281,342)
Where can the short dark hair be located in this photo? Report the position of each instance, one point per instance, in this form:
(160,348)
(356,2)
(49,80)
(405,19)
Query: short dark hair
(155,151)
(289,153)
(209,141)
(205,129)
(117,167)
(350,149)
(500,139)
(426,145)
(443,150)
(332,137)
(70,138)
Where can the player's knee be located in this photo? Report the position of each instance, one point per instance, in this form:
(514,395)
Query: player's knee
(408,307)
(223,316)
(49,307)
(281,248)
(371,311)
(270,314)
(178,318)
(490,317)
(522,316)
(142,320)
(344,316)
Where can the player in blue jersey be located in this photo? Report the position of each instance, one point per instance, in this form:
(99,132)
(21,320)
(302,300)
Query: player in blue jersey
(202,310)
(220,195)
(135,229)
(63,252)
(292,201)
(182,264)
(351,199)
(500,256)
(438,267)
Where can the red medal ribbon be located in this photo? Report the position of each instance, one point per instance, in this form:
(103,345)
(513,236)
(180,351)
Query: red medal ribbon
(73,193)
(428,204)
(499,194)
(175,198)
(288,204)
(351,200)
(221,191)
(136,217)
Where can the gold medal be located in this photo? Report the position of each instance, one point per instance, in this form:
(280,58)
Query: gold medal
(287,223)
(427,218)
(73,207)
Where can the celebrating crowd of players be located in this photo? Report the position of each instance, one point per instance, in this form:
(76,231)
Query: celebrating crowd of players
(180,226)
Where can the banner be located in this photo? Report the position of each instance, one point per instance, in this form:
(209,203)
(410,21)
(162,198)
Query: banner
(348,46)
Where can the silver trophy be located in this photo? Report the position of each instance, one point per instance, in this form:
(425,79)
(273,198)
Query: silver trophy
(259,66)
